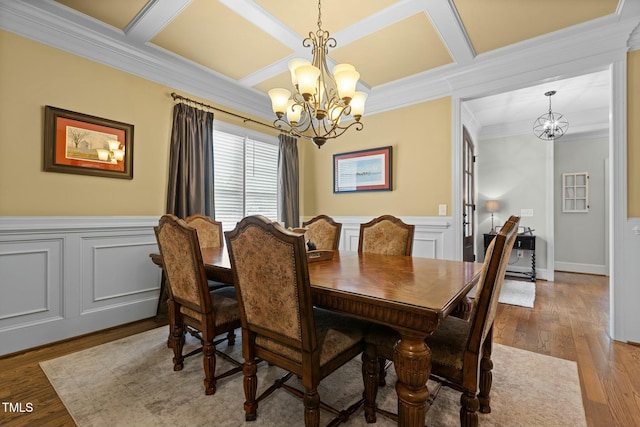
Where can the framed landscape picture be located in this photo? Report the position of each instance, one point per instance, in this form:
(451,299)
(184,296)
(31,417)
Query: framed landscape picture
(87,145)
(365,170)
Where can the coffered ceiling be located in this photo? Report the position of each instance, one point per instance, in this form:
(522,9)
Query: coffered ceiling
(234,51)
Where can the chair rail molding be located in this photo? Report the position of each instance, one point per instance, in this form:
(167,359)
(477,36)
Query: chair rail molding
(66,276)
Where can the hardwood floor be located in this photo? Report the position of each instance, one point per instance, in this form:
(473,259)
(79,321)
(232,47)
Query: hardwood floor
(22,381)
(570,320)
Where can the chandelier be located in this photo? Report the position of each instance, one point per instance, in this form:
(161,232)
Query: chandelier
(550,125)
(322,101)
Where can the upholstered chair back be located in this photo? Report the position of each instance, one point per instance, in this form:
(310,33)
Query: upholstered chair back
(323,231)
(279,323)
(281,317)
(183,266)
(490,283)
(386,235)
(209,230)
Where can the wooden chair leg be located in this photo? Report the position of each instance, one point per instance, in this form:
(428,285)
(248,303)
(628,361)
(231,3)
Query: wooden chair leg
(177,343)
(382,373)
(370,372)
(486,376)
(172,319)
(209,362)
(231,338)
(468,409)
(250,383)
(311,401)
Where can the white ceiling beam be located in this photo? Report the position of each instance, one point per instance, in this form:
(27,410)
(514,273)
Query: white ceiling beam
(254,13)
(379,20)
(445,19)
(153,18)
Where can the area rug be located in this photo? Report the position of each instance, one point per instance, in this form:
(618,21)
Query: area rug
(130,382)
(516,292)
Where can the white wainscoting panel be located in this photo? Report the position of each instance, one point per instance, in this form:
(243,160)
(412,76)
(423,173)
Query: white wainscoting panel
(31,278)
(117,270)
(65,276)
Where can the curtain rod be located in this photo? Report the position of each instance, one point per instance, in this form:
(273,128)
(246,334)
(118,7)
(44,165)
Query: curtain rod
(245,119)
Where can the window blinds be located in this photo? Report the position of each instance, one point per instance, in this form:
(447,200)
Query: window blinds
(245,173)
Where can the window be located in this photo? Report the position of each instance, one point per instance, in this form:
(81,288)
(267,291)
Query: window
(245,173)
(575,192)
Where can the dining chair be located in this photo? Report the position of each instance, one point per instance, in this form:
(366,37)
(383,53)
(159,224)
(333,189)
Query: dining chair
(279,323)
(323,231)
(193,307)
(387,235)
(210,235)
(460,350)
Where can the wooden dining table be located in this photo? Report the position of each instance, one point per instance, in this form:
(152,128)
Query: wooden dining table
(410,294)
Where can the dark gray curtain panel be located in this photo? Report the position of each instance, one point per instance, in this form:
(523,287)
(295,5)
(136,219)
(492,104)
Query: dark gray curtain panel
(190,184)
(288,178)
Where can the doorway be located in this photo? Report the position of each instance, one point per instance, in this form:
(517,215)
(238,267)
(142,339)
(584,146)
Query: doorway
(527,183)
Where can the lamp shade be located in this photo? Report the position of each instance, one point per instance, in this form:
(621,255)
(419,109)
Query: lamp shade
(357,104)
(307,76)
(493,206)
(294,111)
(279,100)
(293,64)
(346,78)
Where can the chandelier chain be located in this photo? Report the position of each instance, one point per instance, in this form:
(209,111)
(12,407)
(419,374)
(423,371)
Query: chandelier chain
(319,15)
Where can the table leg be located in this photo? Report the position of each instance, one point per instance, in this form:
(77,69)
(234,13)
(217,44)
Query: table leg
(412,360)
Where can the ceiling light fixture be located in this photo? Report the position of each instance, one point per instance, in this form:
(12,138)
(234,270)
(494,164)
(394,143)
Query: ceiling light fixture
(322,100)
(551,125)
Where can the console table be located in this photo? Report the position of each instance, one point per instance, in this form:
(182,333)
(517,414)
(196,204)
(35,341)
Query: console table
(523,241)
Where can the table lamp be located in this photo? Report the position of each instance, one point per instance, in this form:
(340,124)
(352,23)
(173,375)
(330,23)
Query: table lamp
(492,206)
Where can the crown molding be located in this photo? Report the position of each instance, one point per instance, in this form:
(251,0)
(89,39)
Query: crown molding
(584,136)
(582,122)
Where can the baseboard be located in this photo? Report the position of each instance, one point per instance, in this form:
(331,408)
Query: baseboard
(574,267)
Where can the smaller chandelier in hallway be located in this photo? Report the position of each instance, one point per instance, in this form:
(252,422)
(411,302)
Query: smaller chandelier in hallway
(550,125)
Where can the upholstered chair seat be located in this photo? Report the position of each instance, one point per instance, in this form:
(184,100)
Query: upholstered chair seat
(447,344)
(224,304)
(335,334)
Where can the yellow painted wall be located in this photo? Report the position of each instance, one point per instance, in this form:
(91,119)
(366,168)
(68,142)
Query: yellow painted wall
(421,139)
(633,134)
(33,75)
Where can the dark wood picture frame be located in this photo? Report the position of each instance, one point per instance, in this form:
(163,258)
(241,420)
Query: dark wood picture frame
(364,170)
(87,145)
